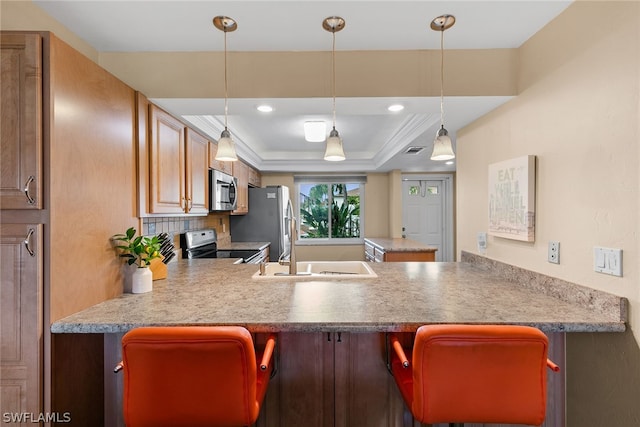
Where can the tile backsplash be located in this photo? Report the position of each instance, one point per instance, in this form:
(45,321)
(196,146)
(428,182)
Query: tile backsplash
(176,225)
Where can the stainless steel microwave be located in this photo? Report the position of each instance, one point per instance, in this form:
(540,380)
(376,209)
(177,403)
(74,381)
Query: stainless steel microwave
(223,188)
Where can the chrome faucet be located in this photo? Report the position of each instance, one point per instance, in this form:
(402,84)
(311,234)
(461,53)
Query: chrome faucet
(293,230)
(293,265)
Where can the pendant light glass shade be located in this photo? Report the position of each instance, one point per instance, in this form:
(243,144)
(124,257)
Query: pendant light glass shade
(442,147)
(334,151)
(226,147)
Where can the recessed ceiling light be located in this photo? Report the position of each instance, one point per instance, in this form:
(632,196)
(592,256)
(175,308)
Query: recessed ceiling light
(265,108)
(315,131)
(450,162)
(395,107)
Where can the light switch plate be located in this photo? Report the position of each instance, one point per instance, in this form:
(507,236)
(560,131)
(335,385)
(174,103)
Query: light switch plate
(607,261)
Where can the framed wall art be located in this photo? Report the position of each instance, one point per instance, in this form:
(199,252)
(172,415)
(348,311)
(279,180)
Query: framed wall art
(512,198)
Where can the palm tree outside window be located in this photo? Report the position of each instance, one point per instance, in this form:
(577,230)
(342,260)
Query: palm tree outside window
(330,210)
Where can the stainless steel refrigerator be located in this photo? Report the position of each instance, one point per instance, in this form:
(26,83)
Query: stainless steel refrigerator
(267,220)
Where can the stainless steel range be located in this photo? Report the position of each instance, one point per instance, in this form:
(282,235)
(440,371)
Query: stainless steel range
(204,244)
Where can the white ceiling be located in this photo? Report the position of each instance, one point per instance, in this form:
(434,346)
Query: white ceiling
(374,139)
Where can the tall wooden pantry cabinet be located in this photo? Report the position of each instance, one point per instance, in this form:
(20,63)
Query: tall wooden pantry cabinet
(67,183)
(23,216)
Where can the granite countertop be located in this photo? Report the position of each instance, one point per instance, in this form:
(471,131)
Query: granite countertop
(243,246)
(402,297)
(399,245)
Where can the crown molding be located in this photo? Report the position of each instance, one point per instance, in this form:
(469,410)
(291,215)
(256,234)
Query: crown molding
(414,126)
(213,127)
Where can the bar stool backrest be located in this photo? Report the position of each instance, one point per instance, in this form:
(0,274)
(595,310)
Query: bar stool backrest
(479,373)
(191,376)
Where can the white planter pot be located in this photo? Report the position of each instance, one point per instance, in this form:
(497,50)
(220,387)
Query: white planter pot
(127,274)
(141,280)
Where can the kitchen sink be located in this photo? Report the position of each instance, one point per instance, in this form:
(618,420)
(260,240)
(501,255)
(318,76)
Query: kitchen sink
(317,269)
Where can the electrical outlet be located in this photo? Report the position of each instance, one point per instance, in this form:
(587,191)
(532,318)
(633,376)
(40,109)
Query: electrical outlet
(482,242)
(553,255)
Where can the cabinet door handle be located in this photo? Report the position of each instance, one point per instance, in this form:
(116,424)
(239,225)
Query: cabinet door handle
(189,204)
(339,336)
(26,242)
(30,199)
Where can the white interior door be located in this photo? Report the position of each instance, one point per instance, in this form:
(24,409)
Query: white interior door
(425,213)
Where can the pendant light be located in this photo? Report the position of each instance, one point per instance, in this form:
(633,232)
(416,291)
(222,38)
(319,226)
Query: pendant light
(442,149)
(226,147)
(334,151)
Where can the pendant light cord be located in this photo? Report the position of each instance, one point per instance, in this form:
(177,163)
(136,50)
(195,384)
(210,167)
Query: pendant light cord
(442,77)
(226,97)
(333,88)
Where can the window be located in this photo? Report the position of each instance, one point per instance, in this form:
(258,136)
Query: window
(330,209)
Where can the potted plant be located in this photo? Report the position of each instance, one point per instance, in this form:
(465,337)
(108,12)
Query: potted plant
(139,251)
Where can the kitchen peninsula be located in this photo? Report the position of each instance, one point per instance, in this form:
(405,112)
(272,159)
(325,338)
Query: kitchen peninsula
(402,297)
(332,330)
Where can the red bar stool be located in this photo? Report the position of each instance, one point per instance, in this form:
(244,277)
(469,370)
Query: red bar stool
(474,374)
(193,376)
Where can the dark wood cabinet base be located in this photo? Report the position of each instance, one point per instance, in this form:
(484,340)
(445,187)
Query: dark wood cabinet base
(322,380)
(77,379)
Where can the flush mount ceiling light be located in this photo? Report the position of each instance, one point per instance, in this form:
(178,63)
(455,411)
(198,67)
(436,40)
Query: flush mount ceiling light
(334,151)
(226,147)
(442,149)
(315,131)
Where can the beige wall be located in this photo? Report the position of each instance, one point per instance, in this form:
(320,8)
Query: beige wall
(286,74)
(395,204)
(308,74)
(578,111)
(24,15)
(580,119)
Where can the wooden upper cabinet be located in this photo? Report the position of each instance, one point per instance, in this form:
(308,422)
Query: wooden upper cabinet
(241,172)
(167,165)
(247,177)
(255,179)
(21,121)
(226,167)
(178,166)
(197,173)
